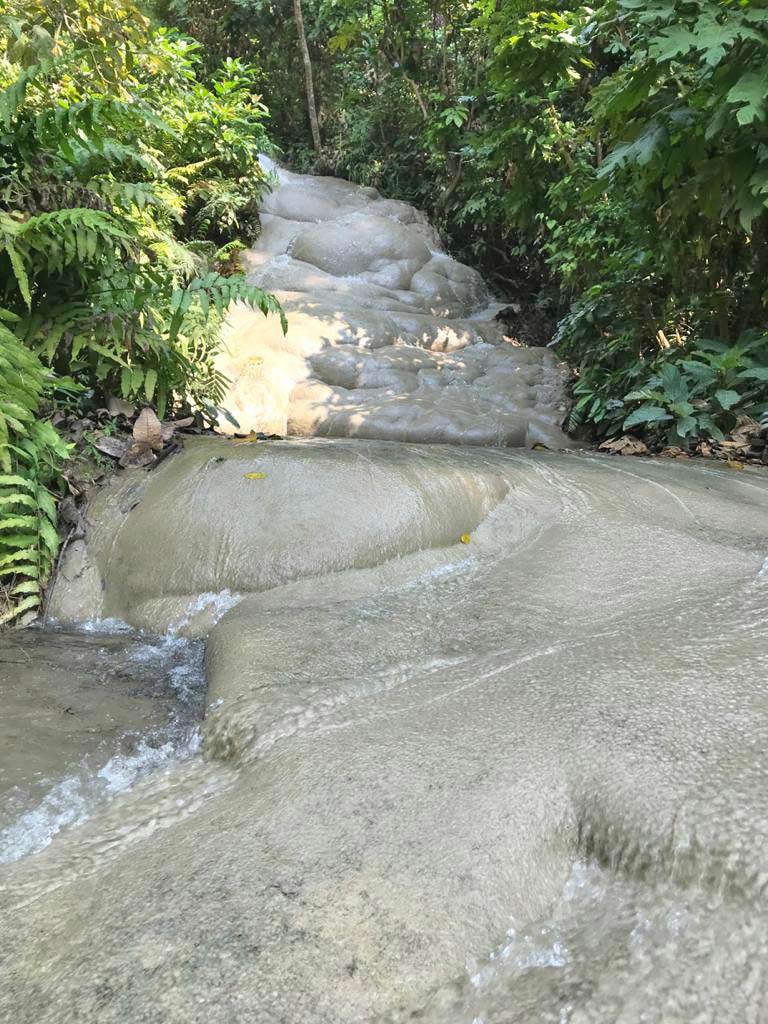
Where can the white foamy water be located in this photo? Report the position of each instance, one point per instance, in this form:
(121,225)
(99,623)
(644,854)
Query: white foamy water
(211,606)
(441,571)
(158,666)
(73,801)
(110,625)
(537,947)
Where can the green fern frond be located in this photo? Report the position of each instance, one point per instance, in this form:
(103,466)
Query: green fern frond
(220,292)
(127,195)
(185,174)
(31,452)
(178,258)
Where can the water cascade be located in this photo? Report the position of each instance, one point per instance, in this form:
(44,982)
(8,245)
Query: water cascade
(388,336)
(486,728)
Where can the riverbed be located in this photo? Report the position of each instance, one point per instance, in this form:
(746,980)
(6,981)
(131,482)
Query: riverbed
(485,741)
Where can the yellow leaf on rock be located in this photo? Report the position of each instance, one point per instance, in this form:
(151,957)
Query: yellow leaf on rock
(465,538)
(255,476)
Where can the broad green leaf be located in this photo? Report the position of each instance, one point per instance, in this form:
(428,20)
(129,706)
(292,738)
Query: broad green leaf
(681,409)
(676,41)
(755,373)
(749,93)
(20,273)
(646,414)
(150,380)
(49,535)
(727,398)
(708,425)
(46,503)
(686,426)
(701,371)
(644,395)
(673,384)
(750,207)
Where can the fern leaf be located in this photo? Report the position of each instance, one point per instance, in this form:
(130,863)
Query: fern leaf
(20,273)
(33,601)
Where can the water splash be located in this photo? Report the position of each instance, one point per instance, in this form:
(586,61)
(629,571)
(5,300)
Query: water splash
(213,605)
(72,801)
(109,625)
(162,664)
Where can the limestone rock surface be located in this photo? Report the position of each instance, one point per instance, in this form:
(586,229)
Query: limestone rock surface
(388,336)
(486,740)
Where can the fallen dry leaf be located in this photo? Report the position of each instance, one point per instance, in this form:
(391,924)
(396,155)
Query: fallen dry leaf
(673,452)
(114,446)
(745,432)
(147,430)
(75,486)
(119,407)
(137,456)
(625,445)
(733,446)
(465,538)
(732,464)
(255,476)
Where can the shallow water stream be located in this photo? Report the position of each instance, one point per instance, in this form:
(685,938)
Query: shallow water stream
(85,715)
(486,742)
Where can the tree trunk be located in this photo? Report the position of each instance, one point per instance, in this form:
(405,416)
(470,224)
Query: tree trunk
(312,109)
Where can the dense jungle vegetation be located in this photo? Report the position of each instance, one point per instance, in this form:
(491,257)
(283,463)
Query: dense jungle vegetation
(127,177)
(605,167)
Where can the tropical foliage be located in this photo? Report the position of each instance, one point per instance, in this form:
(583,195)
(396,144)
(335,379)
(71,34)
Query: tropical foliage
(122,175)
(31,455)
(608,164)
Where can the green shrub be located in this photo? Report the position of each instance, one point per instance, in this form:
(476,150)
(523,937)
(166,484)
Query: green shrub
(703,394)
(121,174)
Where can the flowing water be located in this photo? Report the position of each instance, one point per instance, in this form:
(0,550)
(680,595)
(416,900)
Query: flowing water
(517,779)
(85,715)
(388,336)
(486,730)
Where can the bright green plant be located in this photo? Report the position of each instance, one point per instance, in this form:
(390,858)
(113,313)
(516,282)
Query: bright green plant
(610,160)
(703,394)
(31,456)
